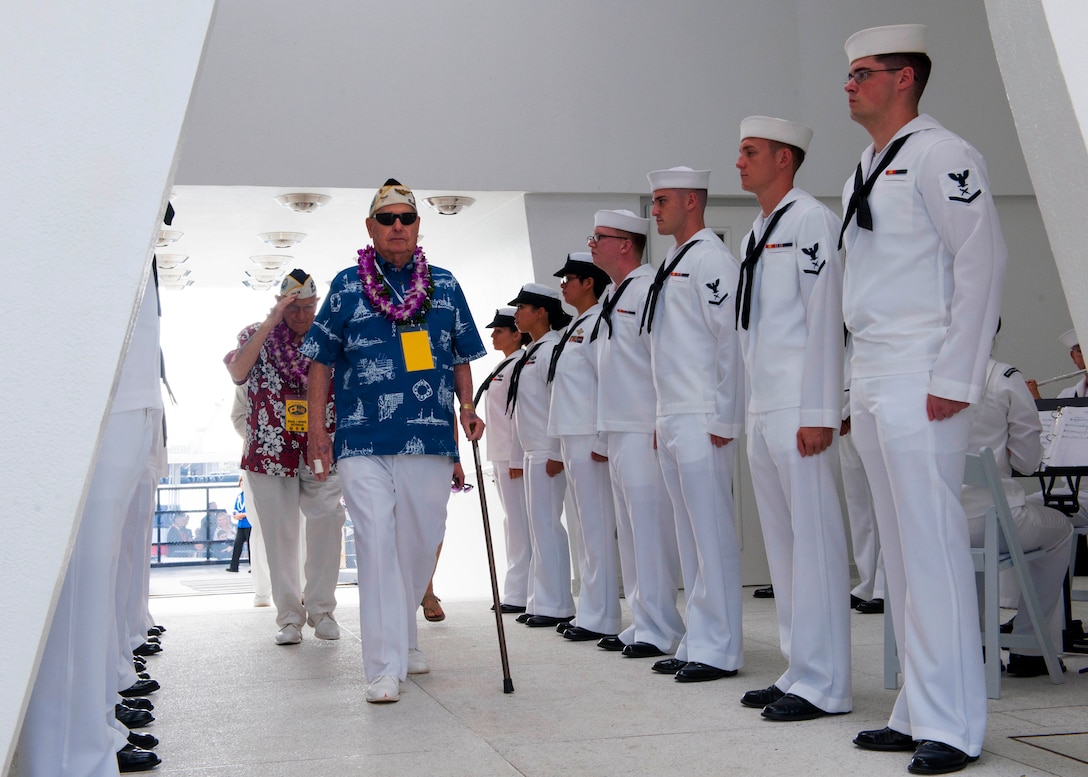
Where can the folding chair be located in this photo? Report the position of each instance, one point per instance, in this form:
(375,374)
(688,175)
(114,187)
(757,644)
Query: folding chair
(981,471)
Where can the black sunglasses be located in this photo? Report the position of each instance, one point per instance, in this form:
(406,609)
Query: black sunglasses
(387,219)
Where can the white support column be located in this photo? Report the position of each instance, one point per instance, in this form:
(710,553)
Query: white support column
(95,96)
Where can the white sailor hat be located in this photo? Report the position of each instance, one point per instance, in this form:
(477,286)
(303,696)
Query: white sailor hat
(789,132)
(679,178)
(538,294)
(892,39)
(298,283)
(504,317)
(621,219)
(1069,339)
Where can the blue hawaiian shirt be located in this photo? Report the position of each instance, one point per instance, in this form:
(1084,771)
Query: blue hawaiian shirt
(382,409)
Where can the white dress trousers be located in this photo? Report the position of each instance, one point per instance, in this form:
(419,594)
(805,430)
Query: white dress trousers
(278,501)
(397,506)
(806,551)
(698,477)
(649,558)
(549,568)
(915,470)
(863,534)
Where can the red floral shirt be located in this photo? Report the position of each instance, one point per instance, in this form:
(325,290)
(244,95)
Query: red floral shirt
(270,449)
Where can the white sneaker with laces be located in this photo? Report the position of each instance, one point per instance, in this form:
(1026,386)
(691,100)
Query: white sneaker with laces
(289,635)
(325,627)
(417,662)
(383,690)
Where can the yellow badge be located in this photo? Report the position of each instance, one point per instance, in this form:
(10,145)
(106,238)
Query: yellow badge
(297,414)
(416,344)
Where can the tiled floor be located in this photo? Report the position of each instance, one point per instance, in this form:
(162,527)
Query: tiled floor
(233,703)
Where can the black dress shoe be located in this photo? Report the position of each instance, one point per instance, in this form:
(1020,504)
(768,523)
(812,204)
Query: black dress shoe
(133,718)
(155,631)
(142,741)
(871,607)
(855,601)
(147,649)
(643,650)
(792,707)
(762,697)
(160,627)
(536,621)
(668,665)
(611,643)
(524,617)
(562,627)
(578,634)
(764,593)
(884,739)
(133,759)
(507,609)
(228,569)
(140,688)
(138,703)
(1029,666)
(151,640)
(938,758)
(143,676)
(695,672)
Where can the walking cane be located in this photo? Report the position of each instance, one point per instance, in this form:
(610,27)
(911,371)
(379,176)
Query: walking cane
(507,683)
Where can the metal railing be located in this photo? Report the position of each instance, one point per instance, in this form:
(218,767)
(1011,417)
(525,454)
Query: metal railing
(176,541)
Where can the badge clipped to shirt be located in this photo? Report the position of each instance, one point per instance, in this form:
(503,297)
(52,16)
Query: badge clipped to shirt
(415,342)
(297,412)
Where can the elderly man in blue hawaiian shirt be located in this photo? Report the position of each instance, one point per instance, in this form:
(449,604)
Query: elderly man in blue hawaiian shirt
(397,334)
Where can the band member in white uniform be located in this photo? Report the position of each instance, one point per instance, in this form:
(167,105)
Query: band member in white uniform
(699,379)
(1007,422)
(1080,389)
(626,401)
(925,264)
(573,419)
(499,438)
(539,314)
(789,320)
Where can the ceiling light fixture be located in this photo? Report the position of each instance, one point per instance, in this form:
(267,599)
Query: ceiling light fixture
(449,205)
(303,202)
(271,261)
(168,236)
(264,276)
(177,285)
(174,274)
(257,286)
(282,239)
(170,261)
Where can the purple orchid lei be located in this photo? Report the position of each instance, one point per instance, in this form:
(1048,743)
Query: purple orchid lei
(417,301)
(285,355)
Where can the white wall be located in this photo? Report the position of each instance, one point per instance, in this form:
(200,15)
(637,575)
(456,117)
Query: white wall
(90,134)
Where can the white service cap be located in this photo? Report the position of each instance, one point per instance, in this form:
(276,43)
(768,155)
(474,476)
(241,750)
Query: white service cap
(789,132)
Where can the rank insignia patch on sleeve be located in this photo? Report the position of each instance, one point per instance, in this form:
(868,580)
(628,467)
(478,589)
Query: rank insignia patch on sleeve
(960,186)
(813,255)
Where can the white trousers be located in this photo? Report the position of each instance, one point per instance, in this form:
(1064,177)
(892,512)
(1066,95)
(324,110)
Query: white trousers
(258,556)
(131,597)
(915,470)
(549,568)
(591,491)
(397,506)
(1038,527)
(278,501)
(519,546)
(699,479)
(806,550)
(646,532)
(67,728)
(863,534)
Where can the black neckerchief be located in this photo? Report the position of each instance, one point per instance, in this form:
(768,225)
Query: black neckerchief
(515,377)
(663,272)
(558,350)
(748,266)
(487,381)
(607,307)
(859,200)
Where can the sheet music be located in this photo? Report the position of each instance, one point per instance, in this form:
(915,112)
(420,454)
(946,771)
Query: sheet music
(1065,442)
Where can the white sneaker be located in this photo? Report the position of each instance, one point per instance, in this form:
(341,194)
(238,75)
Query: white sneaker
(289,635)
(262,601)
(417,662)
(383,690)
(325,627)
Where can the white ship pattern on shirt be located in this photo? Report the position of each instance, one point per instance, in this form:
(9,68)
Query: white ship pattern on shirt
(430,420)
(357,417)
(414,447)
(445,394)
(359,341)
(362,312)
(445,282)
(346,452)
(388,404)
(375,370)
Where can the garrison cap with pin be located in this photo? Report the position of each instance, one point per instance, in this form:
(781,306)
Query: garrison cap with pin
(504,317)
(299,283)
(890,39)
(392,192)
(781,130)
(580,263)
(679,178)
(623,220)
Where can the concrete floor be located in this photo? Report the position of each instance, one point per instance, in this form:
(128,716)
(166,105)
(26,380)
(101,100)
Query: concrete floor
(233,703)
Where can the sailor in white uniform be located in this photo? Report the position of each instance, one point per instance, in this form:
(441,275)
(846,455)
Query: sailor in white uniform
(1070,340)
(789,320)
(499,439)
(925,264)
(540,313)
(626,401)
(573,419)
(699,379)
